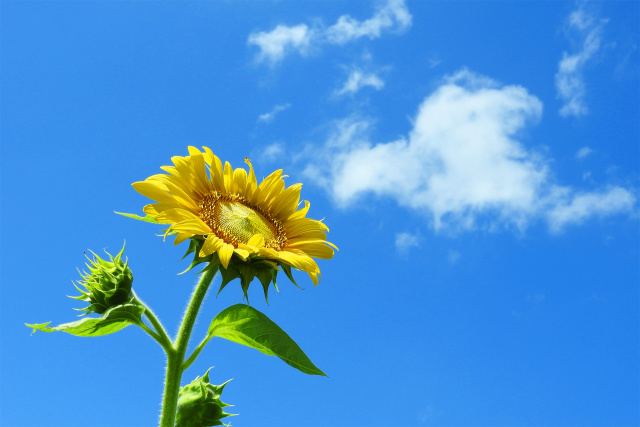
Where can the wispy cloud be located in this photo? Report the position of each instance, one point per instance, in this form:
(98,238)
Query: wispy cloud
(268,117)
(580,207)
(583,153)
(393,16)
(570,83)
(357,80)
(462,163)
(275,44)
(405,241)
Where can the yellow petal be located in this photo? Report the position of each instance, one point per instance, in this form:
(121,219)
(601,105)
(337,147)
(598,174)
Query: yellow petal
(275,189)
(225,253)
(300,213)
(239,181)
(154,191)
(315,278)
(181,237)
(176,215)
(249,249)
(182,197)
(215,169)
(152,209)
(244,254)
(211,244)
(298,227)
(228,177)
(170,169)
(199,170)
(313,248)
(286,202)
(266,186)
(300,261)
(183,166)
(257,240)
(252,182)
(195,226)
(311,235)
(268,253)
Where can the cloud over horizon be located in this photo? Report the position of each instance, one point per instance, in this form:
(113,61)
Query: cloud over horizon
(393,16)
(462,163)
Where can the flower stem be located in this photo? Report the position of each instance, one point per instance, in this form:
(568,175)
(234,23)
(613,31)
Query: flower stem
(160,334)
(175,356)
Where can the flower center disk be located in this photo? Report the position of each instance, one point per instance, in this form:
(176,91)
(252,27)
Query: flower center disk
(235,221)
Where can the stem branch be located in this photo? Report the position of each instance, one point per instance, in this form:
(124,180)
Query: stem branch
(160,334)
(195,353)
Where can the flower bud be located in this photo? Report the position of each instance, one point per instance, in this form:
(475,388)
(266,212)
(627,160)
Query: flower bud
(199,404)
(107,284)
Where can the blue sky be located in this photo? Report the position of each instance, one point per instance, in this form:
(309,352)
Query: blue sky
(476,162)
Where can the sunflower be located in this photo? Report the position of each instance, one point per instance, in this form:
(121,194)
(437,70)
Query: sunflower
(233,218)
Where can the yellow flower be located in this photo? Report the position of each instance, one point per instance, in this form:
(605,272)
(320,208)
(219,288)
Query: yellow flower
(233,215)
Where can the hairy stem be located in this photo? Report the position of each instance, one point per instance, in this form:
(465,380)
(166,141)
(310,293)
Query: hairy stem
(175,356)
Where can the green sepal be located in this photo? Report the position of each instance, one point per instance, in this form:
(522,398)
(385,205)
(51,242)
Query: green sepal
(111,321)
(195,244)
(287,270)
(266,270)
(266,276)
(199,404)
(247,271)
(245,325)
(228,274)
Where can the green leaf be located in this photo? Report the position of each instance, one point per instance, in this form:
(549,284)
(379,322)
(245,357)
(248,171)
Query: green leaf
(111,321)
(245,325)
(146,218)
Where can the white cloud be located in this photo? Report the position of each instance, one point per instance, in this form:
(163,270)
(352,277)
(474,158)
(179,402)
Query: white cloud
(406,241)
(274,45)
(393,16)
(268,117)
(358,80)
(280,41)
(569,79)
(583,152)
(580,207)
(462,163)
(453,257)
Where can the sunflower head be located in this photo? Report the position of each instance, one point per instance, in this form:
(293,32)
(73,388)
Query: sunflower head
(246,229)
(199,403)
(107,284)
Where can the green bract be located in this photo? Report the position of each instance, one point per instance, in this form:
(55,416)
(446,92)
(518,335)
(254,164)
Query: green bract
(107,284)
(199,404)
(264,269)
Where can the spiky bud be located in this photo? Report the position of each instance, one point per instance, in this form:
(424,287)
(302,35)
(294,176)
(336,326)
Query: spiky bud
(199,404)
(107,284)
